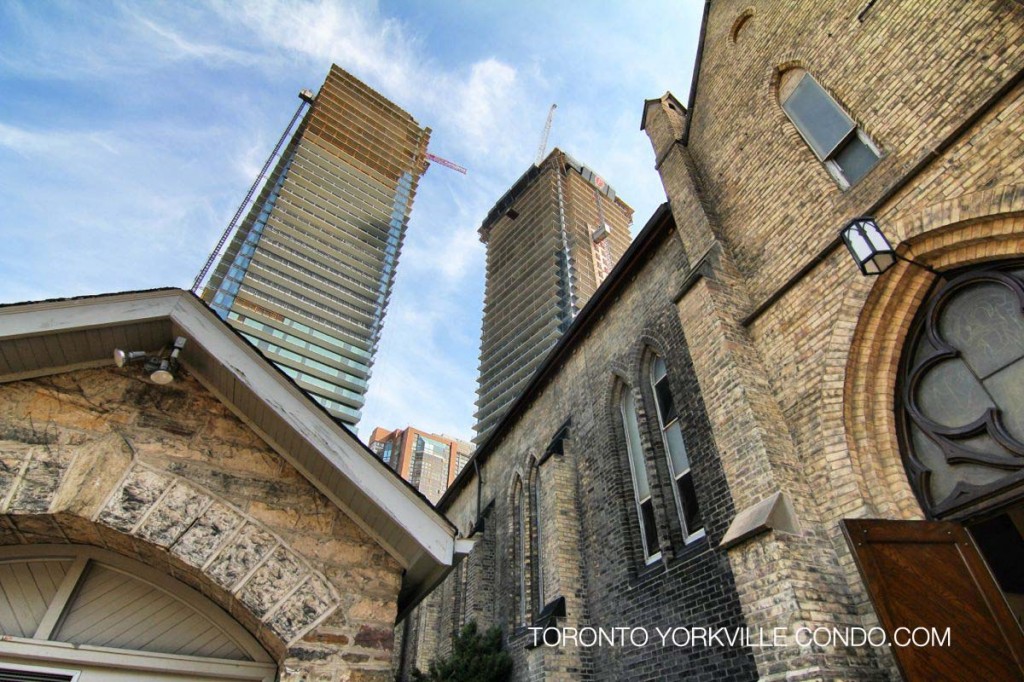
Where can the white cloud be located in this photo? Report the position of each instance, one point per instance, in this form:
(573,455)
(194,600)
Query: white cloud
(32,142)
(484,101)
(380,50)
(481,104)
(175,46)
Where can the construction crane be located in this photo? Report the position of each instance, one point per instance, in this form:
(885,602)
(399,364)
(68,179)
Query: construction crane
(446,163)
(544,136)
(307,98)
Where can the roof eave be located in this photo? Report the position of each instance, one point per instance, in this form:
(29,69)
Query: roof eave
(332,459)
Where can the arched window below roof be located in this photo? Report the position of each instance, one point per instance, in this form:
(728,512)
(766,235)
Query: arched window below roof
(675,450)
(638,471)
(838,142)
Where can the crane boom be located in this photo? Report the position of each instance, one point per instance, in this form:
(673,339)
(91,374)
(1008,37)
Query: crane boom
(544,136)
(446,163)
(307,98)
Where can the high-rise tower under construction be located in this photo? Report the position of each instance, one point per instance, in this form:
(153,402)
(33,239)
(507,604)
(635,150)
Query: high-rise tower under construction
(551,240)
(308,273)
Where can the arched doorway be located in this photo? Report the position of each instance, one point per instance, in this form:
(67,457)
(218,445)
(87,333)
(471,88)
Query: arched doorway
(959,409)
(961,413)
(74,613)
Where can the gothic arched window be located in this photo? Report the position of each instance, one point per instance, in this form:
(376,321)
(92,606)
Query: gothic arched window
(638,470)
(962,391)
(834,137)
(535,498)
(675,449)
(520,512)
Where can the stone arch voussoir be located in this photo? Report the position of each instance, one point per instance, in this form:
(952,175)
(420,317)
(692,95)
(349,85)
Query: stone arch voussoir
(102,496)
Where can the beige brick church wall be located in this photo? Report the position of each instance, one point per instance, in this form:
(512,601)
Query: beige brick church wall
(797,353)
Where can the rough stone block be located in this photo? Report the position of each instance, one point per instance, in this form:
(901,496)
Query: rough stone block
(241,555)
(206,534)
(139,491)
(304,607)
(272,581)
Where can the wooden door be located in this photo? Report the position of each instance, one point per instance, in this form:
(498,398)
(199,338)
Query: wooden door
(929,574)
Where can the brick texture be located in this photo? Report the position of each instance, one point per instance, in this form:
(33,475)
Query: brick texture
(589,549)
(799,371)
(784,356)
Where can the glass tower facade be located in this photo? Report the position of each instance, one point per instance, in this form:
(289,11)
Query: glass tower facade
(307,276)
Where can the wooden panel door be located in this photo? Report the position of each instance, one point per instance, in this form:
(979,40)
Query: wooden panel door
(930,574)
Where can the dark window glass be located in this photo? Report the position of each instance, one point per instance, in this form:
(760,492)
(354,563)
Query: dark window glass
(675,446)
(1000,542)
(650,527)
(665,402)
(691,509)
(10,675)
(823,124)
(855,159)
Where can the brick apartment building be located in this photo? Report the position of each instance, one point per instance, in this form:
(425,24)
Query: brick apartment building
(742,430)
(429,461)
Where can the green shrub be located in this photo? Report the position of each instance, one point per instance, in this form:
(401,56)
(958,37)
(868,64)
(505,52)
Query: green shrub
(475,657)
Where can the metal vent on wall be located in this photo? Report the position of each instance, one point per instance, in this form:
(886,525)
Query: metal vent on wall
(9,675)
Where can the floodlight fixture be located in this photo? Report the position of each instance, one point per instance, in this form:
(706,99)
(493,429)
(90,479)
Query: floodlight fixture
(162,369)
(124,357)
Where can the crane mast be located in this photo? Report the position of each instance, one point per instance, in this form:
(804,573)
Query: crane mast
(307,98)
(544,136)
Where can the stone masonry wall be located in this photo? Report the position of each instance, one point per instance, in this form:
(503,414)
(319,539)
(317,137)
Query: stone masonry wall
(801,393)
(591,550)
(167,475)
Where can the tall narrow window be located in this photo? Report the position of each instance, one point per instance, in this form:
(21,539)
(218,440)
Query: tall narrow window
(520,512)
(836,140)
(539,571)
(641,488)
(675,448)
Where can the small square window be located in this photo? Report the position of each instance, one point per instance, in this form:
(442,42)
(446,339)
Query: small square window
(855,157)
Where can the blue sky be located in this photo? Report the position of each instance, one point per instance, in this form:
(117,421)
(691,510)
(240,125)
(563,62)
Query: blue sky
(129,133)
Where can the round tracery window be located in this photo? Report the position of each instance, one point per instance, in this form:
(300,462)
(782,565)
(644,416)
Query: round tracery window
(963,390)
